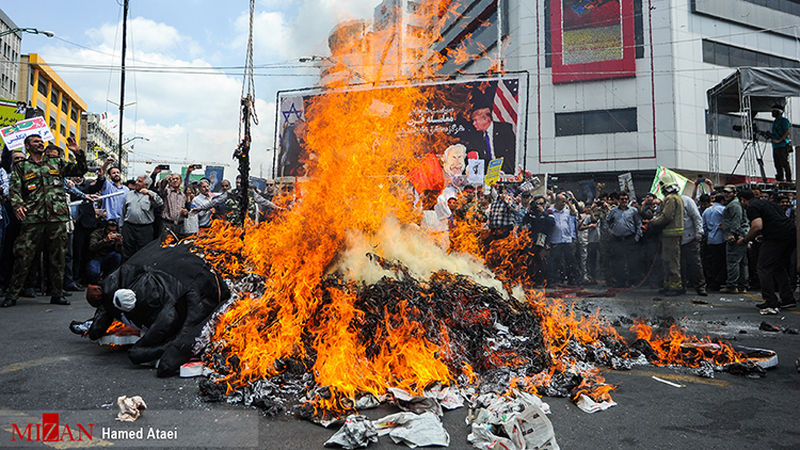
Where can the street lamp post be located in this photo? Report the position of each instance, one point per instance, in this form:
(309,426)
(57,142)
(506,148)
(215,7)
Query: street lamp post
(135,138)
(27,30)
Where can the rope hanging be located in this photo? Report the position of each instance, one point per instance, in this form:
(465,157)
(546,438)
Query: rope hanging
(248,115)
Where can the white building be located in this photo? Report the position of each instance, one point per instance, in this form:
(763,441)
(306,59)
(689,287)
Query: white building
(401,24)
(9,57)
(620,85)
(102,142)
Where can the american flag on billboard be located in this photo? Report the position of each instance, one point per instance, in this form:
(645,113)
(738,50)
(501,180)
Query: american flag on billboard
(506,102)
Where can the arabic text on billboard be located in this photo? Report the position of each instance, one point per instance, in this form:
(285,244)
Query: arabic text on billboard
(484,115)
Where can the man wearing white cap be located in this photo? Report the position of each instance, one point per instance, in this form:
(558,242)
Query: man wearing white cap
(169,294)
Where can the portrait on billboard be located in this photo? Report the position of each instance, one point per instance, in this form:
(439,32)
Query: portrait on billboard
(291,146)
(592,39)
(482,115)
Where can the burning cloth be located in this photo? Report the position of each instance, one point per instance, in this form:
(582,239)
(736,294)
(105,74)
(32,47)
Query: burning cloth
(169,294)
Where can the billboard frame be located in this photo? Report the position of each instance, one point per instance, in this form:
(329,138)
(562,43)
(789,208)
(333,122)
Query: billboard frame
(522,122)
(597,70)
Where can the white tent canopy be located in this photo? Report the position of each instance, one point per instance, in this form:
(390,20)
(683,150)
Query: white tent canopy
(763,85)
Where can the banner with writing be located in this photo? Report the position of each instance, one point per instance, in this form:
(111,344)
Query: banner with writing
(14,136)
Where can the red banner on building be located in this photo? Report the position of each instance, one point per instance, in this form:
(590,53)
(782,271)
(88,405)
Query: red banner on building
(592,39)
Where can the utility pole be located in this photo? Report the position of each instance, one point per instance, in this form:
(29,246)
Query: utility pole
(122,80)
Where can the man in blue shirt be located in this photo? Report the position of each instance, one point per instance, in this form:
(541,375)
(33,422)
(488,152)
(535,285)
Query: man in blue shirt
(563,264)
(715,243)
(113,184)
(625,225)
(781,144)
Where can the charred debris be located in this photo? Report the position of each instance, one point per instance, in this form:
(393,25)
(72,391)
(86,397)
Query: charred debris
(498,338)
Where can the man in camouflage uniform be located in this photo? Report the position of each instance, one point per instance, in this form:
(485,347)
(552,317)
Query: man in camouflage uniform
(670,217)
(39,201)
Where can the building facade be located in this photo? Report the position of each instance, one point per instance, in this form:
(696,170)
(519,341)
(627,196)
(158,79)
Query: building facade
(10,44)
(102,142)
(610,86)
(620,86)
(41,87)
(400,27)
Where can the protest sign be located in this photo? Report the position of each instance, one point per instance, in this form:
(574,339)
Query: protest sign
(626,184)
(215,176)
(475,173)
(14,136)
(493,171)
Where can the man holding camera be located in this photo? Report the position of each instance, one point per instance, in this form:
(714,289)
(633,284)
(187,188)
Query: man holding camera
(105,249)
(174,212)
(781,144)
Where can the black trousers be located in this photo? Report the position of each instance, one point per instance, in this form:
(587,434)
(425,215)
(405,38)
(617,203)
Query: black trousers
(773,271)
(134,237)
(623,259)
(562,264)
(593,260)
(783,170)
(691,268)
(714,265)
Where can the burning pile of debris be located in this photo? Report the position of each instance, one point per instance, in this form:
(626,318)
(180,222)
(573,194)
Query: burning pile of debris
(341,302)
(383,327)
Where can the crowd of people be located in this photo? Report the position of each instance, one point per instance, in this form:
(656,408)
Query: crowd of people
(60,232)
(729,240)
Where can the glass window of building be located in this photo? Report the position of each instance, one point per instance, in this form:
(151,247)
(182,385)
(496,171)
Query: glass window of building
(42,86)
(54,97)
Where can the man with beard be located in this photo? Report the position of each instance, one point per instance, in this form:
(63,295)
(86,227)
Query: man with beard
(39,201)
(111,185)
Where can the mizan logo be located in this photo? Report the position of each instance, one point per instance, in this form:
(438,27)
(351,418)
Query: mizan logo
(50,430)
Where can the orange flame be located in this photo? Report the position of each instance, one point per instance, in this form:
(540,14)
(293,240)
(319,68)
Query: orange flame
(678,348)
(359,155)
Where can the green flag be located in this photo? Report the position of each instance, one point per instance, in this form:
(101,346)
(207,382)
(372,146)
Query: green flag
(668,177)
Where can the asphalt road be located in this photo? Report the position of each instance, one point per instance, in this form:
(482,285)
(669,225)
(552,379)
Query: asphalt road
(45,368)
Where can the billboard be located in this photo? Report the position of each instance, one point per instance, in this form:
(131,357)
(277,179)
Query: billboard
(11,112)
(592,39)
(483,114)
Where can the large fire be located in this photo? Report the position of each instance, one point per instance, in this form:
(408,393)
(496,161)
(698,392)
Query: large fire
(351,236)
